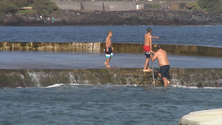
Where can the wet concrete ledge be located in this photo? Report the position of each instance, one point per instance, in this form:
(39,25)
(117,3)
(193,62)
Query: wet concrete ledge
(121,76)
(118,47)
(206,117)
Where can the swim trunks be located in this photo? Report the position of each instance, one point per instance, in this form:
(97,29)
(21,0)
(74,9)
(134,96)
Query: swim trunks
(146,50)
(164,70)
(109,53)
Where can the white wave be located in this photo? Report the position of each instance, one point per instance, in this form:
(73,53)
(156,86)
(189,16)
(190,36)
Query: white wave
(77,84)
(55,85)
(19,87)
(212,87)
(181,86)
(194,87)
(130,85)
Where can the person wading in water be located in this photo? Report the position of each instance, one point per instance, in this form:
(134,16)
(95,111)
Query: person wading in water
(164,64)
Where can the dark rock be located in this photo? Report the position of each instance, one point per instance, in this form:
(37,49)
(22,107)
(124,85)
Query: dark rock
(139,17)
(217,84)
(200,85)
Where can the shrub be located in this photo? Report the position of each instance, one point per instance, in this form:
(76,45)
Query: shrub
(45,7)
(7,7)
(154,5)
(193,6)
(211,6)
(21,3)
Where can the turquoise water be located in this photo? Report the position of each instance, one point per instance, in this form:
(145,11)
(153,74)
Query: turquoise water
(103,105)
(192,35)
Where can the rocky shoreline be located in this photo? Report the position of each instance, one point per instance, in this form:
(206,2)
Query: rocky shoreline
(135,17)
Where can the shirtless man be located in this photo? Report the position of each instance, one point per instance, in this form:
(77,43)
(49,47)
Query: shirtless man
(108,49)
(147,48)
(164,64)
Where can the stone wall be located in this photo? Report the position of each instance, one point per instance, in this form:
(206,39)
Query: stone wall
(96,5)
(108,6)
(35,46)
(121,76)
(118,48)
(69,5)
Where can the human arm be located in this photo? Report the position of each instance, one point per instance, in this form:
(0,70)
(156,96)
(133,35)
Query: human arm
(150,39)
(152,51)
(107,44)
(155,37)
(155,56)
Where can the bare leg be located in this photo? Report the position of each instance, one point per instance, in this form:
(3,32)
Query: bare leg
(146,62)
(164,78)
(146,66)
(165,81)
(107,62)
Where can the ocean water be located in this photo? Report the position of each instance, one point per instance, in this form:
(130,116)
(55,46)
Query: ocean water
(107,104)
(103,105)
(190,35)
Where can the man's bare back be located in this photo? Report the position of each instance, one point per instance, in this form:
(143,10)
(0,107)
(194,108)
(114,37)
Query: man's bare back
(161,55)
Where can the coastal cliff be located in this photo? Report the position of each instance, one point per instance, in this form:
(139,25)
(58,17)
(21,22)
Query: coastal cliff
(164,14)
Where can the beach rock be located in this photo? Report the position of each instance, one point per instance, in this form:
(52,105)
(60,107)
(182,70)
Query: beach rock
(206,117)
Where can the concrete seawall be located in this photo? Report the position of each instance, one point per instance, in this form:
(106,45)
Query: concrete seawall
(120,76)
(206,117)
(110,5)
(118,48)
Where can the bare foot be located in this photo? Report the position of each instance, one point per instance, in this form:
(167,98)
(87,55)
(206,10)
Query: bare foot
(168,82)
(145,70)
(105,63)
(149,70)
(107,66)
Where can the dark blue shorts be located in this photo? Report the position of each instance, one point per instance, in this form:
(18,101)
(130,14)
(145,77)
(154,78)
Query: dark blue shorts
(109,53)
(164,70)
(147,54)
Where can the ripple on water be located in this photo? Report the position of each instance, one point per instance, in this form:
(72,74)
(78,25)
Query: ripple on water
(102,104)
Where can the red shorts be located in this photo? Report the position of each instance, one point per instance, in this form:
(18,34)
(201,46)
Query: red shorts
(146,48)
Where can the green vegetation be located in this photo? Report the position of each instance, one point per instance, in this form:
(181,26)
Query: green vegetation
(45,7)
(154,5)
(26,11)
(42,7)
(193,6)
(211,6)
(6,7)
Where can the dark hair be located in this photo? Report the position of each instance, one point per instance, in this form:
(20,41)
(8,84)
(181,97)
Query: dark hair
(149,30)
(159,46)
